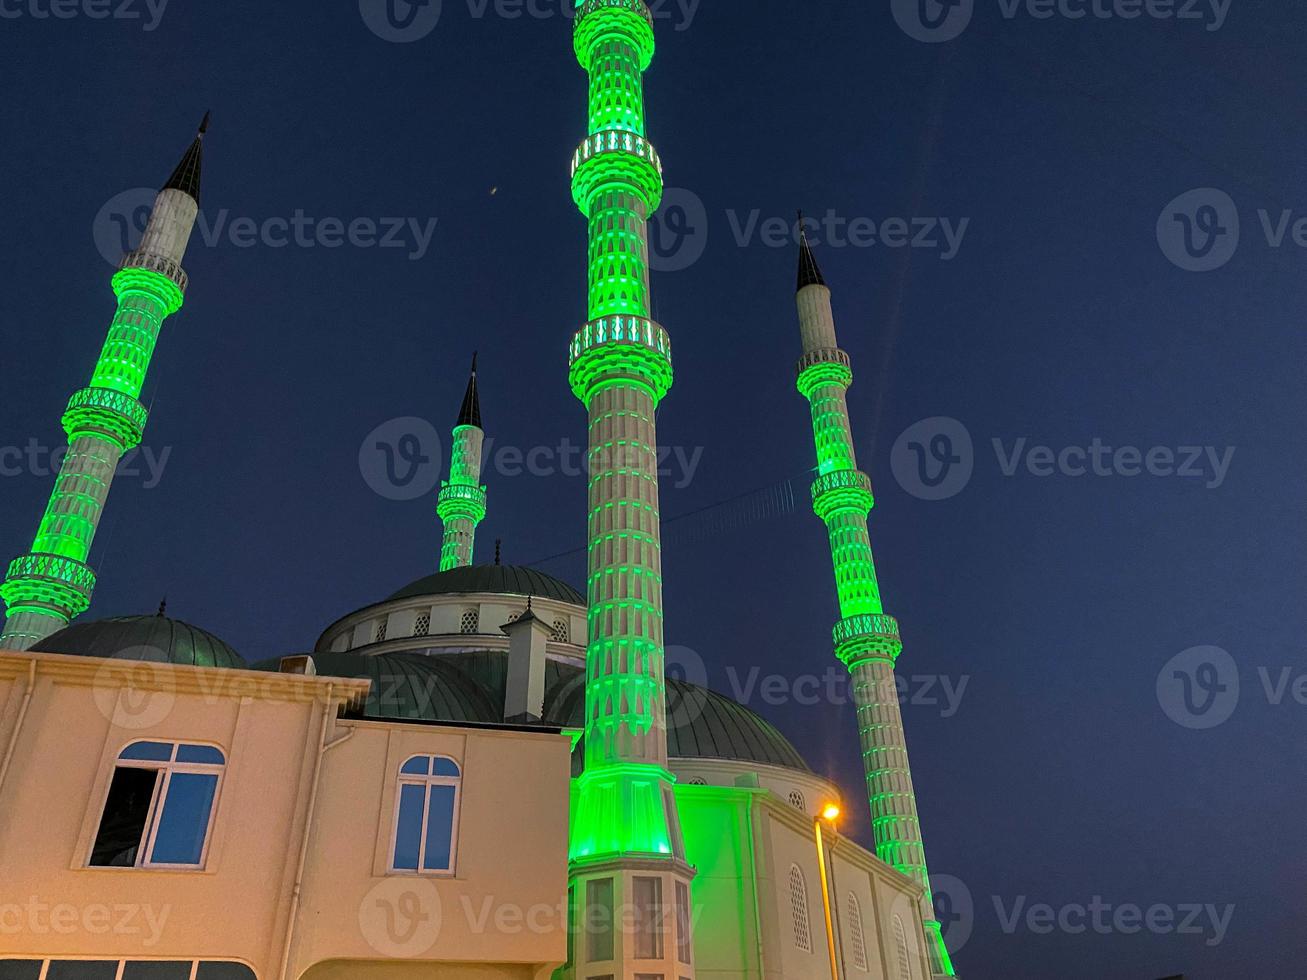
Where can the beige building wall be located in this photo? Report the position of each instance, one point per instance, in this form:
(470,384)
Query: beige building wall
(266,897)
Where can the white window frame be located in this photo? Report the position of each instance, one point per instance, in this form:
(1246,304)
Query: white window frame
(160,797)
(426,782)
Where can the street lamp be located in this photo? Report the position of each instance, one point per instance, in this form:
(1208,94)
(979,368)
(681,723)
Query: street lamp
(830,812)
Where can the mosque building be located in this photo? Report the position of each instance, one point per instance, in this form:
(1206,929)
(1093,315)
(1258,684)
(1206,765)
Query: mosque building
(486,772)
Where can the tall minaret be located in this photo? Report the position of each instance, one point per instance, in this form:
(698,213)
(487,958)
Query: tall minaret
(866,638)
(46,588)
(461,504)
(626,847)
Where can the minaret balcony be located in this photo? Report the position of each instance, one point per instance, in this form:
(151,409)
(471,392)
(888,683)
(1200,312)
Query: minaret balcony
(825,366)
(463,500)
(616,159)
(49,582)
(157,263)
(842,491)
(105,412)
(872,636)
(601,20)
(613,347)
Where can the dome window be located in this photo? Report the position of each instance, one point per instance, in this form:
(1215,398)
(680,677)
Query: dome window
(561,633)
(797,801)
(422,626)
(381,631)
(470,623)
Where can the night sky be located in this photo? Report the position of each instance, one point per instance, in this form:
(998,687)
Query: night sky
(1062,776)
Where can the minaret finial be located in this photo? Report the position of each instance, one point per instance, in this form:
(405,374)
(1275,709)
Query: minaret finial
(470,413)
(163,608)
(186,178)
(499,548)
(809,272)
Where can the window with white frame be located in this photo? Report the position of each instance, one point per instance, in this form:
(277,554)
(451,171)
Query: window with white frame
(426,816)
(159,808)
(799,909)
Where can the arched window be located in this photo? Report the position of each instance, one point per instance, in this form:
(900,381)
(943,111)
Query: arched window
(799,909)
(561,633)
(426,816)
(422,627)
(901,945)
(797,801)
(159,807)
(857,939)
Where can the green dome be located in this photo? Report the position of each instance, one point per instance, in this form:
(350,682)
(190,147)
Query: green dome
(499,579)
(156,639)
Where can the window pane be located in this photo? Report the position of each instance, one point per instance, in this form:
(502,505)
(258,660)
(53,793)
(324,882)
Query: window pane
(122,826)
(200,753)
(148,752)
(83,970)
(157,971)
(420,766)
(648,895)
(20,969)
(446,767)
(184,824)
(683,939)
(224,971)
(440,829)
(598,922)
(408,832)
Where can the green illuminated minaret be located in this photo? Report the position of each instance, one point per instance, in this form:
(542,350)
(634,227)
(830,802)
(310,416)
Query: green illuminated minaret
(626,848)
(866,638)
(461,504)
(50,585)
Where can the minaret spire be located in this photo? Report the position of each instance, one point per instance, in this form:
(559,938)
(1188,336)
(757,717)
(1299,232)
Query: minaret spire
(461,504)
(46,588)
(626,846)
(866,638)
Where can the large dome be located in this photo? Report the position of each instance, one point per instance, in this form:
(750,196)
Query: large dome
(155,639)
(498,579)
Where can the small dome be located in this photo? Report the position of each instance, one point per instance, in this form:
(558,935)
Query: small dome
(497,579)
(156,639)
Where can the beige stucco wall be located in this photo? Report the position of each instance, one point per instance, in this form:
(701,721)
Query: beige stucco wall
(81,712)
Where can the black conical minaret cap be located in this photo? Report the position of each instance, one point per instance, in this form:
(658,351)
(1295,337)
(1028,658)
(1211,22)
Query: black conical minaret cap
(809,273)
(186,178)
(470,413)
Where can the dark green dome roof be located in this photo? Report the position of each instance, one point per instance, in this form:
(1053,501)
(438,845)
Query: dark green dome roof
(501,579)
(156,639)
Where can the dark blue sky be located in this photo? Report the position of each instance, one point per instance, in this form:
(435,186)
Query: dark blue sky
(1058,600)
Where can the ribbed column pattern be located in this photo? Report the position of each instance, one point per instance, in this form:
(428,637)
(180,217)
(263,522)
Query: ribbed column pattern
(461,504)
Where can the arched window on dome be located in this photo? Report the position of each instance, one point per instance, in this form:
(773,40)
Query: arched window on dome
(799,909)
(471,621)
(426,816)
(159,808)
(561,633)
(797,801)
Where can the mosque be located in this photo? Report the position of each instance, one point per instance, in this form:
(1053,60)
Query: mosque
(485,773)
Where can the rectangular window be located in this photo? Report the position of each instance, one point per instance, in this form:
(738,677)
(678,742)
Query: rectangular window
(126,813)
(183,825)
(571,926)
(20,969)
(82,970)
(145,970)
(684,941)
(599,920)
(648,896)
